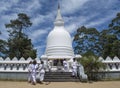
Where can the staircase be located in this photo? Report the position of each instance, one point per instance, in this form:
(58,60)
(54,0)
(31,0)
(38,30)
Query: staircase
(60,77)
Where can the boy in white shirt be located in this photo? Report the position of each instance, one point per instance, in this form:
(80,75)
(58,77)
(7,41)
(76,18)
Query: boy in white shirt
(65,65)
(34,68)
(30,72)
(41,71)
(74,68)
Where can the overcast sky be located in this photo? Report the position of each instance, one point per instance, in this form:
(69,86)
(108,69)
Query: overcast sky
(90,13)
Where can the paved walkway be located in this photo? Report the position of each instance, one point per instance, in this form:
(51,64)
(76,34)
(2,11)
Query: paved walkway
(104,84)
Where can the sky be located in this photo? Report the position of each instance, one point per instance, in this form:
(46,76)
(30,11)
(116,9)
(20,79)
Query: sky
(42,13)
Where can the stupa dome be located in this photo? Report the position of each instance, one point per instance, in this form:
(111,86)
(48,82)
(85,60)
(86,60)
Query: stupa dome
(59,42)
(59,37)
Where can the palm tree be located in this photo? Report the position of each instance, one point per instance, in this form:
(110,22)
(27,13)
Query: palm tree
(92,65)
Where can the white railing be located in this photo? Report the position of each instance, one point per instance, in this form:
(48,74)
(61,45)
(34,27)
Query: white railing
(15,65)
(112,64)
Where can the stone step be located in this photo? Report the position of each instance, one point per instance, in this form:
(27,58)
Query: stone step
(60,77)
(58,73)
(62,80)
(56,77)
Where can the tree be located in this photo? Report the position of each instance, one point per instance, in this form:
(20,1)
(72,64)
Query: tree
(114,26)
(110,38)
(116,48)
(3,48)
(108,47)
(92,64)
(18,43)
(17,25)
(86,39)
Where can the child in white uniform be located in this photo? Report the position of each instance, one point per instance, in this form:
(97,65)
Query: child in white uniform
(41,71)
(30,72)
(65,65)
(34,68)
(74,68)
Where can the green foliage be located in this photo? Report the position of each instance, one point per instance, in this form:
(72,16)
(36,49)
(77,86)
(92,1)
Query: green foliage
(91,64)
(3,48)
(115,24)
(17,25)
(110,39)
(104,43)
(109,47)
(86,39)
(19,45)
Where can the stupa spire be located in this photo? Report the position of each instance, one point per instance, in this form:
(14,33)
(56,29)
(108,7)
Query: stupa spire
(58,6)
(59,21)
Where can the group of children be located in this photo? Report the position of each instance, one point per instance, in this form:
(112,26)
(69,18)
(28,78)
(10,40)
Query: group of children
(74,67)
(33,69)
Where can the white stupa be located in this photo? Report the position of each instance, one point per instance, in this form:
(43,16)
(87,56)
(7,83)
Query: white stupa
(59,42)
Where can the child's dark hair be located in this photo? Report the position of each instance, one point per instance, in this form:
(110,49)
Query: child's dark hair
(64,59)
(74,59)
(30,62)
(34,62)
(42,62)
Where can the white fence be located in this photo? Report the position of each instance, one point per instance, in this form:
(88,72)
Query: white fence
(112,64)
(17,69)
(15,65)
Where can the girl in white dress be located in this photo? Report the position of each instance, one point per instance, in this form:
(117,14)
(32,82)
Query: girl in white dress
(41,71)
(65,65)
(34,69)
(30,72)
(74,68)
